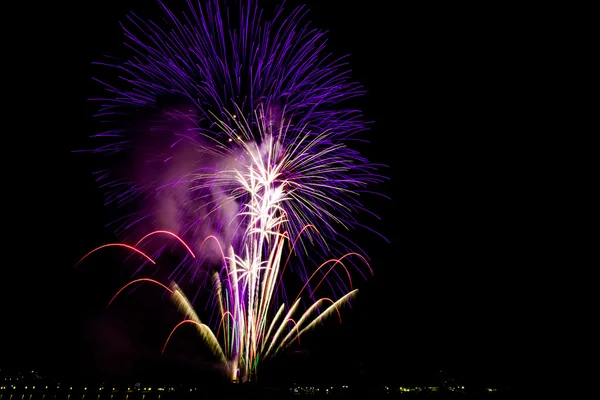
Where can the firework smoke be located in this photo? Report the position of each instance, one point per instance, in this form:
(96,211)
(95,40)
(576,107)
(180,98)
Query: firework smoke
(229,135)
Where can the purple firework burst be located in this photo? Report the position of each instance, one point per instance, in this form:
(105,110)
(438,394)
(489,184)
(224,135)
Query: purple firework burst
(219,113)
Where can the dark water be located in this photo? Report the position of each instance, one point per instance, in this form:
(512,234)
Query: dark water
(228,393)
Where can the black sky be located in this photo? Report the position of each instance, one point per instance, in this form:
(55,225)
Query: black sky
(444,294)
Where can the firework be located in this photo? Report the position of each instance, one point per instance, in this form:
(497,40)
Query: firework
(235,146)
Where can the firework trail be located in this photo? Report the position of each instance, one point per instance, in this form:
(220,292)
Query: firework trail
(226,135)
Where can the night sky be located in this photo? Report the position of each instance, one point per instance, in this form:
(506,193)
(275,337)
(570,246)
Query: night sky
(444,294)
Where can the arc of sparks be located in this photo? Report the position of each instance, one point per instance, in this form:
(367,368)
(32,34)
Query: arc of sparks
(135,281)
(283,324)
(225,314)
(303,318)
(205,332)
(312,293)
(292,320)
(171,234)
(335,262)
(334,306)
(271,326)
(292,248)
(218,244)
(117,245)
(185,321)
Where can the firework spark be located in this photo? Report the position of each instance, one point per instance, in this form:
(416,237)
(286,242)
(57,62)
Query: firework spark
(234,138)
(244,295)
